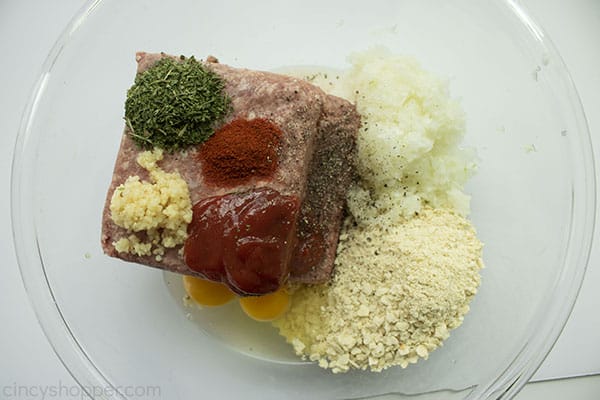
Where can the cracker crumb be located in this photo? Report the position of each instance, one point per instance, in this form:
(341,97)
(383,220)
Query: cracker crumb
(427,268)
(407,260)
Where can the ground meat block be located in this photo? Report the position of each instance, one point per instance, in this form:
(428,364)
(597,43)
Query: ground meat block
(316,150)
(330,174)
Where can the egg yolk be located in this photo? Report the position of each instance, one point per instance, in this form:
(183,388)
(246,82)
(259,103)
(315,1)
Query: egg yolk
(207,293)
(267,307)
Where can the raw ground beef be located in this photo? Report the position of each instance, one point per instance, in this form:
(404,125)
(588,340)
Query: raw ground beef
(315,164)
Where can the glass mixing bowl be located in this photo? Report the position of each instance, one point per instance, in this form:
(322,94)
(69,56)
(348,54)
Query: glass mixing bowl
(119,327)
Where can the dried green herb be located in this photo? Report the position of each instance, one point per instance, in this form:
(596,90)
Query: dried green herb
(175,104)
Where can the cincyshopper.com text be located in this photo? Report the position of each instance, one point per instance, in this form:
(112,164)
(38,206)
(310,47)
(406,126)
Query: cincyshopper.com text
(62,391)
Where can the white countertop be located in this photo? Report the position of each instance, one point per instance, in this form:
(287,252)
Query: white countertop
(27,32)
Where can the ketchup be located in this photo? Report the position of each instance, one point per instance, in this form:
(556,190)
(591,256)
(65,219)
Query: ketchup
(244,240)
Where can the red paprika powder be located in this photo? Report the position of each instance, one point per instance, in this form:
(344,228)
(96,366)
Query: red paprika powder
(239,151)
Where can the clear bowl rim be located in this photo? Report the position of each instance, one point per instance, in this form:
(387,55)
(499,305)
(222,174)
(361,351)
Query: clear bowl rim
(509,382)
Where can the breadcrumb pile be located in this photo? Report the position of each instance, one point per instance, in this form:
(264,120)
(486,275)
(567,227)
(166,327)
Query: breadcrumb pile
(396,294)
(408,260)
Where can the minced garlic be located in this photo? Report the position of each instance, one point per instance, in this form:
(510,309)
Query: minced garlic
(133,245)
(161,208)
(396,294)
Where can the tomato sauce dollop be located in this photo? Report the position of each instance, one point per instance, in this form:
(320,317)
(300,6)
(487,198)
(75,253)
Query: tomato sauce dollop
(244,240)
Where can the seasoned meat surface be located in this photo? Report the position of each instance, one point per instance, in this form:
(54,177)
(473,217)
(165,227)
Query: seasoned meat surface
(315,156)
